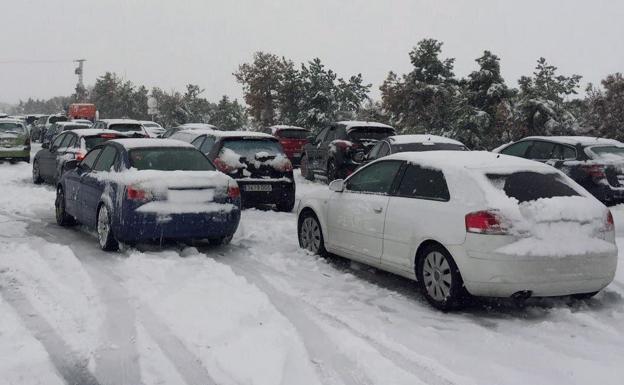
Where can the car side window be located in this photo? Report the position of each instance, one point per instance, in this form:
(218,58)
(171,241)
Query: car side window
(541,150)
(89,160)
(376,178)
(72,141)
(563,152)
(57,142)
(423,183)
(517,149)
(320,138)
(106,160)
(197,142)
(384,150)
(374,151)
(65,143)
(207,145)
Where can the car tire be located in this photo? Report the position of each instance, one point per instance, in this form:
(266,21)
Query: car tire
(311,234)
(36,173)
(62,218)
(287,204)
(305,168)
(104,230)
(332,171)
(439,278)
(25,159)
(582,296)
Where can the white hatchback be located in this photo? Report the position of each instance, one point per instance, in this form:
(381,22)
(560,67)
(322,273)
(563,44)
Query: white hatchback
(466,223)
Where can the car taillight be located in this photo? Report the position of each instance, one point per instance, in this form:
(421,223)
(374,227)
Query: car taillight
(485,222)
(137,194)
(222,166)
(596,171)
(108,136)
(80,155)
(233,190)
(609,224)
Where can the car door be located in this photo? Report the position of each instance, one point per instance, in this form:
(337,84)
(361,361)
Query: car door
(323,147)
(74,187)
(312,149)
(47,159)
(92,184)
(355,216)
(418,210)
(66,151)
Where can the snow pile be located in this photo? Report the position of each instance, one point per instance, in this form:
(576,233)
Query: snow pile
(231,158)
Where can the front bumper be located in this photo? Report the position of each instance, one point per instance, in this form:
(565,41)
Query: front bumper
(494,275)
(137,227)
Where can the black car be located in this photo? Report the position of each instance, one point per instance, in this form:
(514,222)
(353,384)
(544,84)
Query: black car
(257,161)
(597,164)
(404,143)
(338,150)
(48,163)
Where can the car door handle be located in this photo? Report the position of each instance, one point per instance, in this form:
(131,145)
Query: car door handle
(377,210)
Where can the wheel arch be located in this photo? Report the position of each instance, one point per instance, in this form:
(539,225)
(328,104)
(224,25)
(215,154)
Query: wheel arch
(421,249)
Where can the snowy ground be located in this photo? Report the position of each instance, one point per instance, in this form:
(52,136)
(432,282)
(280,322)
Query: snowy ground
(261,311)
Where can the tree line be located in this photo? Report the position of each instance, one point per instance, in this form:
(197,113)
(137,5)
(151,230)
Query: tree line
(480,109)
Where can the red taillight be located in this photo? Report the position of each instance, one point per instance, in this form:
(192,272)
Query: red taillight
(485,222)
(80,155)
(137,194)
(233,191)
(108,136)
(222,166)
(596,171)
(610,224)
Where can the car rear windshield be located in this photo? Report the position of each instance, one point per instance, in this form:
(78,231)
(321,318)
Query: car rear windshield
(9,127)
(373,133)
(92,141)
(428,147)
(607,151)
(248,148)
(293,134)
(526,186)
(125,127)
(169,159)
(55,119)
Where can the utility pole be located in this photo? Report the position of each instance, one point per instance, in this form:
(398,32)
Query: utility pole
(80,88)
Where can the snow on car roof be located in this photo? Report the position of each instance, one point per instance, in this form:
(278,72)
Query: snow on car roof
(198,126)
(351,124)
(471,160)
(73,123)
(228,134)
(120,121)
(93,132)
(148,142)
(286,127)
(11,120)
(573,140)
(406,139)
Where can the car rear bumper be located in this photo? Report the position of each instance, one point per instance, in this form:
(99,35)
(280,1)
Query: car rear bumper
(487,274)
(148,226)
(280,191)
(13,152)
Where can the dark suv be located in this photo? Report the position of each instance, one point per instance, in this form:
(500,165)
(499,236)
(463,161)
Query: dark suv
(338,150)
(597,164)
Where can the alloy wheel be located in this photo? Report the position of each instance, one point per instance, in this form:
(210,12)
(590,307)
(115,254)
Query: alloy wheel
(310,235)
(103,226)
(437,276)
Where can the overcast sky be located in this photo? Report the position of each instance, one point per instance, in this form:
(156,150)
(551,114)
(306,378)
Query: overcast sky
(171,43)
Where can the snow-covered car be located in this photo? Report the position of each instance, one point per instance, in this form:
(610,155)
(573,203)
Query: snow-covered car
(83,121)
(462,222)
(127,126)
(134,190)
(187,127)
(48,163)
(339,149)
(292,139)
(256,160)
(14,140)
(404,143)
(597,164)
(59,127)
(154,129)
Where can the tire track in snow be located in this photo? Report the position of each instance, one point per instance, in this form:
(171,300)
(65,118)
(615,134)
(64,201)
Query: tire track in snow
(72,369)
(254,274)
(118,362)
(331,364)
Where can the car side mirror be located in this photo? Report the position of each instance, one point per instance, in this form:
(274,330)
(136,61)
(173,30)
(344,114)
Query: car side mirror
(337,185)
(45,145)
(71,165)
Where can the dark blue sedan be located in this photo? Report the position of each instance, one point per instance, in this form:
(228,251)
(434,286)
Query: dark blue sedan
(136,190)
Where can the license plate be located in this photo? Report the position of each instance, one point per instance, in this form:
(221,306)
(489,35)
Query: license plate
(258,187)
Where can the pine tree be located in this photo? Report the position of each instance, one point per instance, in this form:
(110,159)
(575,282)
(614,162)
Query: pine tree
(229,115)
